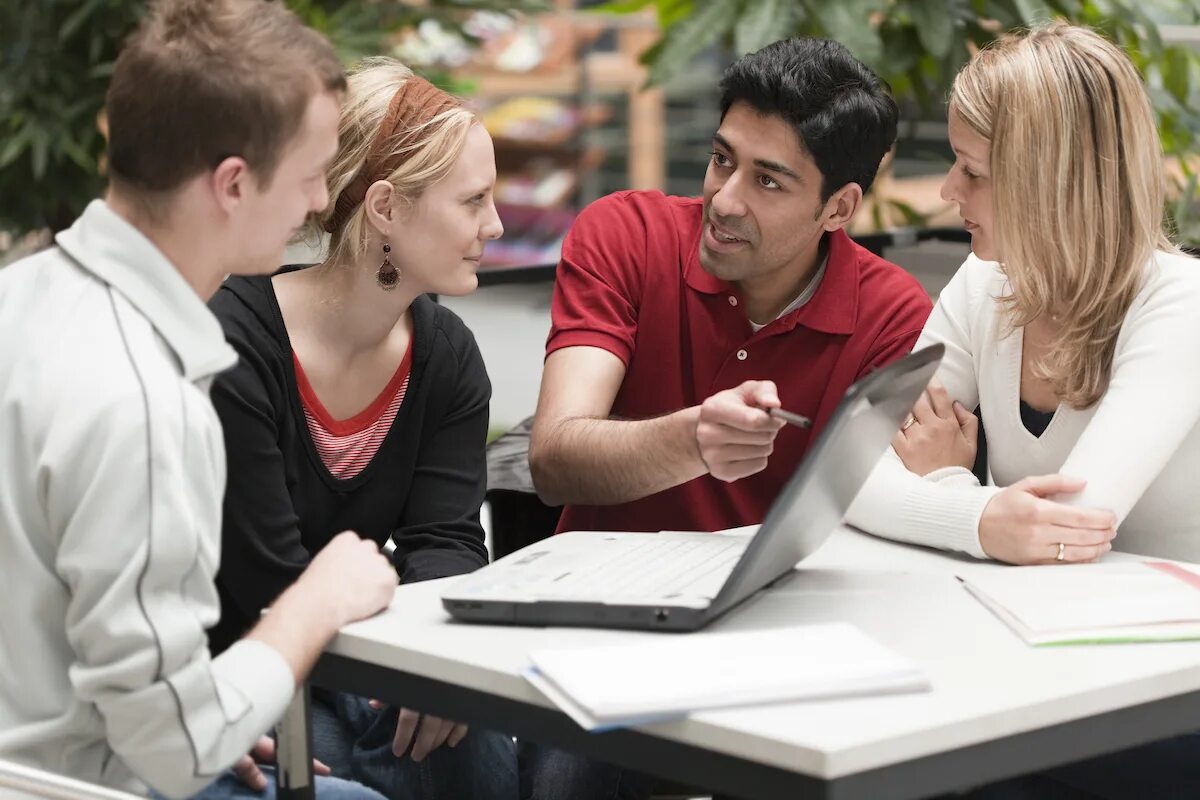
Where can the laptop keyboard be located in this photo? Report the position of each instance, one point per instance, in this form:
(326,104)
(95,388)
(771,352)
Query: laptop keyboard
(659,567)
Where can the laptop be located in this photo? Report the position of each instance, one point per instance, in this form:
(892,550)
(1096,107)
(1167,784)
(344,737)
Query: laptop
(681,581)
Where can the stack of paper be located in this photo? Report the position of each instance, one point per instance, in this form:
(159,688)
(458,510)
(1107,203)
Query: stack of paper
(670,675)
(1141,601)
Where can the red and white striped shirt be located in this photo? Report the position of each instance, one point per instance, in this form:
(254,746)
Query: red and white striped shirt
(347,446)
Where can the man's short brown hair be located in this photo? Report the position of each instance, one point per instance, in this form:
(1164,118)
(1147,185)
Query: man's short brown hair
(203,80)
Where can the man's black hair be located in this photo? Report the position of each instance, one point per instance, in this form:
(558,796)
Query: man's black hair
(840,109)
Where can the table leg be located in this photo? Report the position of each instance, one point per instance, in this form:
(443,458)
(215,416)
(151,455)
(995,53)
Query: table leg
(293,750)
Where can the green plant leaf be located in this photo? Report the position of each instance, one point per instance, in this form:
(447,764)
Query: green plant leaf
(935,25)
(686,39)
(920,89)
(673,11)
(1005,12)
(1153,39)
(102,70)
(40,150)
(74,22)
(620,6)
(1033,11)
(848,21)
(763,22)
(978,35)
(652,54)
(14,147)
(910,214)
(901,48)
(1176,72)
(1180,214)
(77,154)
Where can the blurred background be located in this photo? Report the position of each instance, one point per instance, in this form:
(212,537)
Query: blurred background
(586,98)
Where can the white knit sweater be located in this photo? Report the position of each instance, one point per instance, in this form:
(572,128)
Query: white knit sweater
(1138,448)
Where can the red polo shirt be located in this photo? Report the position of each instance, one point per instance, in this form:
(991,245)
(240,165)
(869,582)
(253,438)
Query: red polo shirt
(630,282)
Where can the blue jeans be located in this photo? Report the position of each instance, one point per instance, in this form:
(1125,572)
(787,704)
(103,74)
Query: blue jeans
(1165,770)
(355,740)
(228,787)
(551,774)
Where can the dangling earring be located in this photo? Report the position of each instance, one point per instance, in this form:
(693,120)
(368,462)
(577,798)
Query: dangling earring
(388,277)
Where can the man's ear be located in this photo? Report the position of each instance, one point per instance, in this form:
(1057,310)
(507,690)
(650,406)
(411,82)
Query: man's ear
(380,206)
(230,182)
(841,207)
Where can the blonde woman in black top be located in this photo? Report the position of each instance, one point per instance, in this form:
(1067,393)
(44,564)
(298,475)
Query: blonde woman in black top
(358,403)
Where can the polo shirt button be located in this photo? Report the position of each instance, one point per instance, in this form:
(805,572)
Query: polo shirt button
(741,354)
(732,300)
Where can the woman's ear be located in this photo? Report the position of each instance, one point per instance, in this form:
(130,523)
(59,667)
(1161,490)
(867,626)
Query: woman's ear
(380,206)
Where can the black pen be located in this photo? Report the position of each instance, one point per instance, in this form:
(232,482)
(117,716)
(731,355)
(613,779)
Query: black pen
(787,416)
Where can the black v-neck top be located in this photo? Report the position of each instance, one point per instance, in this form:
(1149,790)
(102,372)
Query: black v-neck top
(423,487)
(1035,421)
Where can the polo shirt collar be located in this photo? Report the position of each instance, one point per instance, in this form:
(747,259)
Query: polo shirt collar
(121,256)
(698,278)
(834,307)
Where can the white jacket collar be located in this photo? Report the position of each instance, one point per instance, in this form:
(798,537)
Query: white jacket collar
(120,255)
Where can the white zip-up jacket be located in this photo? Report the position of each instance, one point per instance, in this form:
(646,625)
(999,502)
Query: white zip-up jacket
(112,470)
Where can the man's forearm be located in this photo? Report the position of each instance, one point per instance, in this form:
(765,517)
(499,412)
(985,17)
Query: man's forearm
(604,461)
(297,627)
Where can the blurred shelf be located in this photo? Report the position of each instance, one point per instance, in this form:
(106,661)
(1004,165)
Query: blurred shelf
(543,178)
(532,235)
(552,57)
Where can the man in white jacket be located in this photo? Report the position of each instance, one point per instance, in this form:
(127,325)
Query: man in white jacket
(222,117)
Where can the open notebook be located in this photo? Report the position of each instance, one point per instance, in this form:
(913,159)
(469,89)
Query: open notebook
(667,676)
(1127,601)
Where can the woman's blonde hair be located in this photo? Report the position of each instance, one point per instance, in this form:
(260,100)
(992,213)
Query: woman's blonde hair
(1077,189)
(429,151)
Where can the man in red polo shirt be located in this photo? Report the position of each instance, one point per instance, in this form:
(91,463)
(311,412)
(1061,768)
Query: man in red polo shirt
(677,321)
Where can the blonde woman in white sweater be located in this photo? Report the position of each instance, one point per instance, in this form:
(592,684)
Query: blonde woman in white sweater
(1074,325)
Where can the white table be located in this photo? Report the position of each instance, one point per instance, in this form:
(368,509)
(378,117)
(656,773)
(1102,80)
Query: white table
(998,707)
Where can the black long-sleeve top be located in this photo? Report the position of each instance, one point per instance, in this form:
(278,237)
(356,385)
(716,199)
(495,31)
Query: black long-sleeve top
(423,488)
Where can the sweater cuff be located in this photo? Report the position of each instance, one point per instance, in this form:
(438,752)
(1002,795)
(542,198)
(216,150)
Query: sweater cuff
(262,681)
(946,514)
(953,476)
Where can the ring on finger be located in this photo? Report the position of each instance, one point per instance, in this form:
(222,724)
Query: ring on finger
(1061,550)
(908,422)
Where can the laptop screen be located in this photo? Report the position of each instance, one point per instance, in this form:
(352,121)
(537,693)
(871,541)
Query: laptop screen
(814,501)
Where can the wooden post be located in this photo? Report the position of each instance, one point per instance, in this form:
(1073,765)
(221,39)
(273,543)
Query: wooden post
(647,143)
